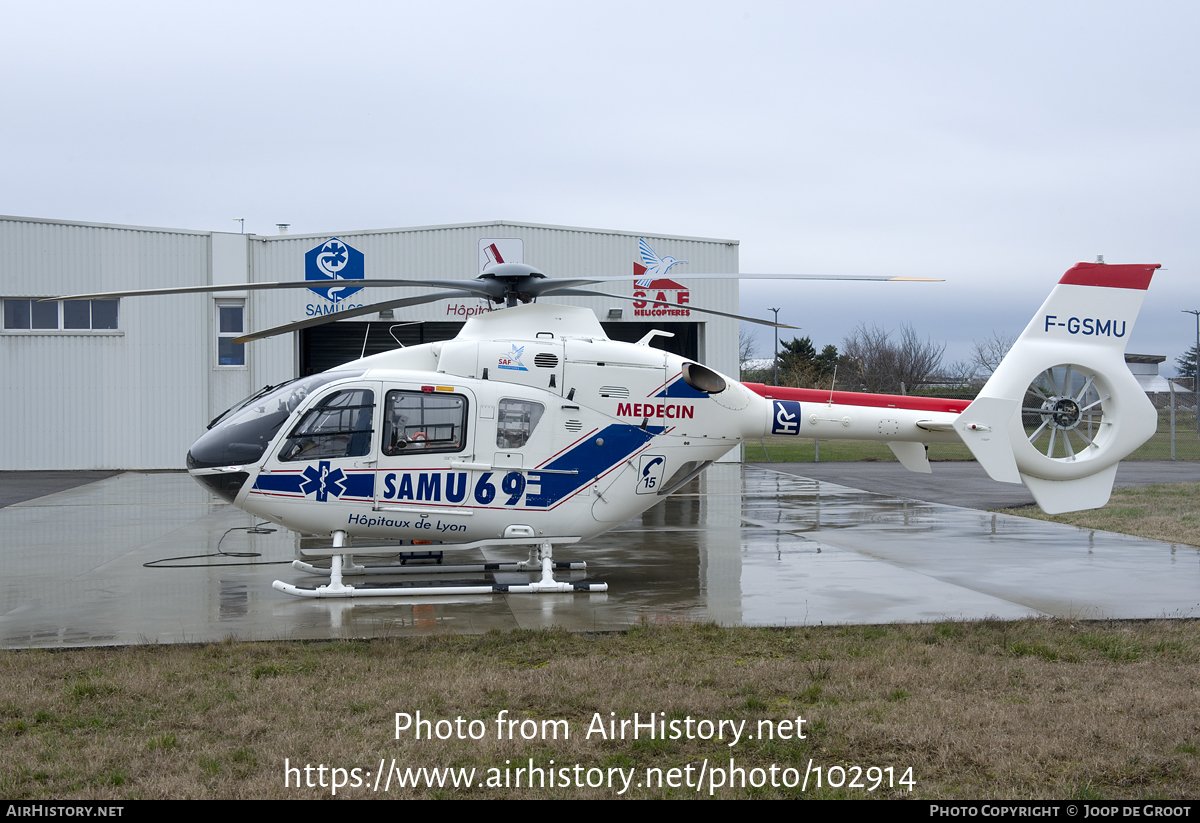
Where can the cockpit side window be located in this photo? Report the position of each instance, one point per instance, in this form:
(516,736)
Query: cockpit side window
(421,422)
(515,422)
(242,434)
(340,425)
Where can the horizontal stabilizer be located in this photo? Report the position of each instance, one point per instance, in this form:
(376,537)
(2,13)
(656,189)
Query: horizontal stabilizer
(984,428)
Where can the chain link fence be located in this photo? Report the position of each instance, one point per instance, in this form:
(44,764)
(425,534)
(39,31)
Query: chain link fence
(1177,437)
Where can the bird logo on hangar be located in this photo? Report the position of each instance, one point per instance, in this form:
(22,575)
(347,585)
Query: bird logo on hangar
(334,260)
(661,296)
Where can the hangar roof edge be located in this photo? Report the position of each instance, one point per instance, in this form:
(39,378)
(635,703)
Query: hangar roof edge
(501,223)
(120,226)
(355,232)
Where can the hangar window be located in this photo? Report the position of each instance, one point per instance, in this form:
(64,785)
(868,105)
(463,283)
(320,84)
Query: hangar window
(230,325)
(338,426)
(26,313)
(422,422)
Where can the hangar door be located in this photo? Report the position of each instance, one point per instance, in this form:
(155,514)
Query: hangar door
(323,347)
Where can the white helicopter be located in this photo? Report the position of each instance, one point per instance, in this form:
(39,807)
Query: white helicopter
(532,428)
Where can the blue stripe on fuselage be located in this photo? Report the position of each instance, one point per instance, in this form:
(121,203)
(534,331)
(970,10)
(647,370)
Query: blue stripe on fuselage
(278,483)
(590,460)
(359,484)
(680,388)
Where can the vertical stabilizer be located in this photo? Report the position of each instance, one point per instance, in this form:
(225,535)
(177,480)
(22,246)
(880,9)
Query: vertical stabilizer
(1076,410)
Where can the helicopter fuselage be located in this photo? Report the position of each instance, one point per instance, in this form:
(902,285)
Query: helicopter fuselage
(531,423)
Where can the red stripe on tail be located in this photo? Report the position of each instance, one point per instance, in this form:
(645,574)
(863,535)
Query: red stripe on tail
(1111,277)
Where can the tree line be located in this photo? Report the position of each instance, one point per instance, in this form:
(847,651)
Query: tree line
(872,359)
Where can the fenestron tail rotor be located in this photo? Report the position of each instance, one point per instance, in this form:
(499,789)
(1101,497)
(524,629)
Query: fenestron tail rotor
(1063,411)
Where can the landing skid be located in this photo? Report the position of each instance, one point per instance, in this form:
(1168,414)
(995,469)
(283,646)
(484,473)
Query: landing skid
(342,564)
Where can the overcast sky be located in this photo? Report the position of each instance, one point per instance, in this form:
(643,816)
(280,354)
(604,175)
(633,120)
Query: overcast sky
(992,144)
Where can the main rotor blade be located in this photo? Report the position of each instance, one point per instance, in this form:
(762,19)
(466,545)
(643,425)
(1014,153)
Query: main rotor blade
(748,276)
(329,318)
(549,286)
(486,288)
(537,288)
(590,293)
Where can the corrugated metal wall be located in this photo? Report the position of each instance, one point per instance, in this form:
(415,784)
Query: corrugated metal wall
(102,399)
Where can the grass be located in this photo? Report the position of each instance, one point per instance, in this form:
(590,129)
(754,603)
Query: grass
(839,451)
(1170,512)
(986,709)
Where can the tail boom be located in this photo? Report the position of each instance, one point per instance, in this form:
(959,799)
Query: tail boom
(905,423)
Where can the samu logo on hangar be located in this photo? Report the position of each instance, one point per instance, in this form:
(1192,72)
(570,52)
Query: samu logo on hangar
(333,260)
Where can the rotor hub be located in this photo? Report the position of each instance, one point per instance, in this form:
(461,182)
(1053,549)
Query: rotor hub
(515,278)
(1062,413)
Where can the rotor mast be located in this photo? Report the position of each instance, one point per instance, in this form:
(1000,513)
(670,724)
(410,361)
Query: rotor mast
(517,280)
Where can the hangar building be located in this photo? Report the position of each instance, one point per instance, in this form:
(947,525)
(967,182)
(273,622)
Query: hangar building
(131,383)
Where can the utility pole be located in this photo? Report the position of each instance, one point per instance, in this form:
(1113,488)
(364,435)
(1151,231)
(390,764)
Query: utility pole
(776,345)
(1196,371)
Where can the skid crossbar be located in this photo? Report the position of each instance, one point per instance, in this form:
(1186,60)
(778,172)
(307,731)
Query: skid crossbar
(342,564)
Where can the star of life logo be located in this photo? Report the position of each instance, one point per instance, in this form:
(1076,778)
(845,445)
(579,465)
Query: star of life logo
(322,482)
(334,260)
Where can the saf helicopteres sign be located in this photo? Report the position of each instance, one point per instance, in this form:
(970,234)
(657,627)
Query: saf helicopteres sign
(333,260)
(658,290)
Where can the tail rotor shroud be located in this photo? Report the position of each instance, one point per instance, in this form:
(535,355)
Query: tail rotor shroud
(1063,412)
(1077,409)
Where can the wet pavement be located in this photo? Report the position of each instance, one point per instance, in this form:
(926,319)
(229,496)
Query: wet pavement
(17,487)
(741,545)
(965,483)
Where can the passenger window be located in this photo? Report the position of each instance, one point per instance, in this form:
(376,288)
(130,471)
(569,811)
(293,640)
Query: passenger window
(421,422)
(515,422)
(339,426)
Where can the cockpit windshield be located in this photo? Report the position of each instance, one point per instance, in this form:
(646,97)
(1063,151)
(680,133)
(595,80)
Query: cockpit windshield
(242,434)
